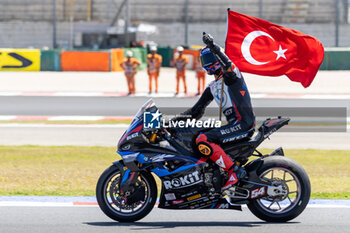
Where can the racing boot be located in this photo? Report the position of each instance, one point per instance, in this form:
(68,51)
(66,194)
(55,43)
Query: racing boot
(234,175)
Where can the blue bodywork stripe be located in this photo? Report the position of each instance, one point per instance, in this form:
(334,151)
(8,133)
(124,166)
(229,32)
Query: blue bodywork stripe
(126,176)
(163,172)
(125,152)
(140,158)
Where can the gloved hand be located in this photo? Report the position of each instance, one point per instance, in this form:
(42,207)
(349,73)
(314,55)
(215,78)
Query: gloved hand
(215,48)
(208,40)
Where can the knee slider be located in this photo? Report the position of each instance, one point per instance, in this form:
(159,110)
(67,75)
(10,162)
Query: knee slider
(203,146)
(205,149)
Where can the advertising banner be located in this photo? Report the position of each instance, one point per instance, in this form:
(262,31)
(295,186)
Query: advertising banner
(19,60)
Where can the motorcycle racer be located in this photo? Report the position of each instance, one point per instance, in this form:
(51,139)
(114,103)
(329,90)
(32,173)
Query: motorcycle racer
(236,106)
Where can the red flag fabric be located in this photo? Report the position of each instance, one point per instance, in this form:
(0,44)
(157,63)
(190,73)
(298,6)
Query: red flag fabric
(260,47)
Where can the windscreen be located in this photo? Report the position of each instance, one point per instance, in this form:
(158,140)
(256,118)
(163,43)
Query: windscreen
(139,114)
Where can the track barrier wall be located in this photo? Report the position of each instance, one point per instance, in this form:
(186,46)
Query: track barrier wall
(117,57)
(336,59)
(50,60)
(109,60)
(167,55)
(85,61)
(19,60)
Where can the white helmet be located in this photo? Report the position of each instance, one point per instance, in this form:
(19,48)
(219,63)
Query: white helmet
(179,49)
(153,48)
(129,53)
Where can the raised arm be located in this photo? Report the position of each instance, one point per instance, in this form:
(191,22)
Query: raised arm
(230,72)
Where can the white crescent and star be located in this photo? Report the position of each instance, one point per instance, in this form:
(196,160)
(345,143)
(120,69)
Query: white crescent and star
(280,53)
(247,42)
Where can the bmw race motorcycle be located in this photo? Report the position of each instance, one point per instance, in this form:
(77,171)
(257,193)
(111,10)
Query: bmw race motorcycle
(275,189)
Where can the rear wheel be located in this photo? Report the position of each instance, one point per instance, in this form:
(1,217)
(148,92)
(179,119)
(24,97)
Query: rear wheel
(292,190)
(129,206)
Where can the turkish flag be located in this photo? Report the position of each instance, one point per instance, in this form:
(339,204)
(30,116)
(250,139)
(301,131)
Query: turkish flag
(260,47)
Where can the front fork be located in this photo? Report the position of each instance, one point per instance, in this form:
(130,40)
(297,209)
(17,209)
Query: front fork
(129,178)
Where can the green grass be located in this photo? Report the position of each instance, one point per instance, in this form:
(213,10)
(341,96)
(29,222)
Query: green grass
(325,195)
(74,171)
(41,170)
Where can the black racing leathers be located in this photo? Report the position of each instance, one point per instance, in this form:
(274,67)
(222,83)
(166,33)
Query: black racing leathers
(236,106)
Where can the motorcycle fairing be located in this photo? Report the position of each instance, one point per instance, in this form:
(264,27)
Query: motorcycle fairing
(131,160)
(135,126)
(200,203)
(185,189)
(185,184)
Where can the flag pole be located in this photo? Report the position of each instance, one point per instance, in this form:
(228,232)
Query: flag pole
(222,92)
(222,81)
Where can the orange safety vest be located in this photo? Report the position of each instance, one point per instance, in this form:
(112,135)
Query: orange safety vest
(130,67)
(153,62)
(180,63)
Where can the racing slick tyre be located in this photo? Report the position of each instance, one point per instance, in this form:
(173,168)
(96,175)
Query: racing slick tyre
(129,206)
(294,190)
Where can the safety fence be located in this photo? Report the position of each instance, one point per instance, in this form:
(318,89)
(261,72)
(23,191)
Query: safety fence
(110,60)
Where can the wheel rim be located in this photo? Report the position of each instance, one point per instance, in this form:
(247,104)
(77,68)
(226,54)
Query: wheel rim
(291,190)
(117,202)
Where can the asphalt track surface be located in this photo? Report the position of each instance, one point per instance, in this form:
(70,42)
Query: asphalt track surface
(18,219)
(21,219)
(108,135)
(128,106)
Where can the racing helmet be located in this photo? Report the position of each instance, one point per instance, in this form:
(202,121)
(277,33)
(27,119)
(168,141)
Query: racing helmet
(209,62)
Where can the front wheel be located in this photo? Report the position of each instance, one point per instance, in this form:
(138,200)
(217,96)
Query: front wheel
(129,206)
(294,186)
